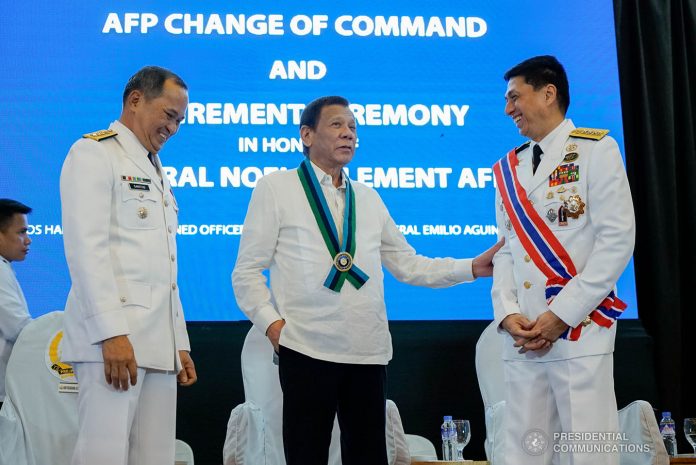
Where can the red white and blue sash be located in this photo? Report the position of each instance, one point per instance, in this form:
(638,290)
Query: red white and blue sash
(543,247)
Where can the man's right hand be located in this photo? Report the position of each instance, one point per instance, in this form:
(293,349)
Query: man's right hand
(273,333)
(526,334)
(520,328)
(119,362)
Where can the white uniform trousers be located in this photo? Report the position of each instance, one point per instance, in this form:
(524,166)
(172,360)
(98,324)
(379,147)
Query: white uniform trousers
(544,399)
(133,427)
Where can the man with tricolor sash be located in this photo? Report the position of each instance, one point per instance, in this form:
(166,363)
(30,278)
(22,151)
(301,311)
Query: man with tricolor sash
(324,238)
(563,206)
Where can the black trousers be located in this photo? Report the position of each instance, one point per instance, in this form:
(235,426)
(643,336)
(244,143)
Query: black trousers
(314,392)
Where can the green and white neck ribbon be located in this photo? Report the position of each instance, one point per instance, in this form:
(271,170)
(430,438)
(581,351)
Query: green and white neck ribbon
(342,252)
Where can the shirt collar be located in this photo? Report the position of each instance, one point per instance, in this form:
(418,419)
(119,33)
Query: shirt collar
(128,139)
(550,138)
(326,179)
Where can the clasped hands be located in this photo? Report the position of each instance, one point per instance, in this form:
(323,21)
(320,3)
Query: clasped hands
(534,335)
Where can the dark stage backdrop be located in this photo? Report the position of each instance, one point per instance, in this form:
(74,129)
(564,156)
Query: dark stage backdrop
(657,68)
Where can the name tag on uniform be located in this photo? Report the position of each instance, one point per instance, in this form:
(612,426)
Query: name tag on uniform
(138,187)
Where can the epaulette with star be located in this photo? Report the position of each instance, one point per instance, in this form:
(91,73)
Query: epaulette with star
(589,133)
(100,135)
(522,147)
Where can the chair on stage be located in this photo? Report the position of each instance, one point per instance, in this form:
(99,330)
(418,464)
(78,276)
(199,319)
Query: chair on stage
(38,421)
(184,453)
(254,429)
(420,448)
(637,420)
(638,423)
(489,371)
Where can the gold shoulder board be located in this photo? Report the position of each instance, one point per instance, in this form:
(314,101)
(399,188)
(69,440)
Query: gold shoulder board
(100,135)
(522,147)
(589,133)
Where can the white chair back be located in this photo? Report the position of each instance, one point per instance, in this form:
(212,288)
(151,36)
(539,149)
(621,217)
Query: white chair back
(259,373)
(38,422)
(489,371)
(638,423)
(184,453)
(420,448)
(489,365)
(398,451)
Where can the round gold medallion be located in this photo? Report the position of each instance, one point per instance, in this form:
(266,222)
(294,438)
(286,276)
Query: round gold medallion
(343,261)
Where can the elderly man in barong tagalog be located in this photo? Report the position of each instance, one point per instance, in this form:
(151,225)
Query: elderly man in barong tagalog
(325,239)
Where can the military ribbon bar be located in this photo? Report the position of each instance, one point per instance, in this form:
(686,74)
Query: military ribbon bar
(342,252)
(544,248)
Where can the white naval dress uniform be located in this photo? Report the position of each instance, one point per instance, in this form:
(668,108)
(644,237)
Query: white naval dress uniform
(568,387)
(14,316)
(119,222)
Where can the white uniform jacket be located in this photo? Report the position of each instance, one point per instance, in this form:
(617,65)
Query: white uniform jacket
(14,316)
(600,241)
(119,224)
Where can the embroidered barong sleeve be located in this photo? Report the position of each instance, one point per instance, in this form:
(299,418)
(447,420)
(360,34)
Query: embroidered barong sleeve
(610,211)
(256,249)
(405,265)
(504,290)
(86,186)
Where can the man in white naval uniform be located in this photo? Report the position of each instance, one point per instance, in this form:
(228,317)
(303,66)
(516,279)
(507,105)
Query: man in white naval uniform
(125,331)
(558,351)
(14,246)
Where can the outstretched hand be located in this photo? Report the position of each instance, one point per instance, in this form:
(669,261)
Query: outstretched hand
(483,264)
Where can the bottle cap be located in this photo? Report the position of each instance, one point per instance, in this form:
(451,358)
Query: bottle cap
(447,418)
(666,414)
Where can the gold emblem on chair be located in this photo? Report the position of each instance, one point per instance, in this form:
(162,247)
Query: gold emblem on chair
(58,368)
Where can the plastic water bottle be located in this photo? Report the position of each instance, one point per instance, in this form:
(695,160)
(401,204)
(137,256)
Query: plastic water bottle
(449,437)
(668,433)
